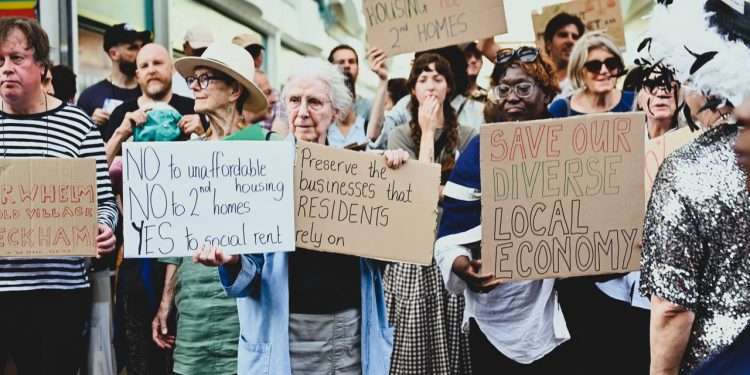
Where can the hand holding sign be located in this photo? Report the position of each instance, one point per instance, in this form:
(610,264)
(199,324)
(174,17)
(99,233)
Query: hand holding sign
(468,271)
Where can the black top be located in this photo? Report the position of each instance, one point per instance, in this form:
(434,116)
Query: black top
(323,283)
(94,96)
(182,104)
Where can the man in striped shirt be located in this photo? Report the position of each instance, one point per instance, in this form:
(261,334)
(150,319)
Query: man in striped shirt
(44,301)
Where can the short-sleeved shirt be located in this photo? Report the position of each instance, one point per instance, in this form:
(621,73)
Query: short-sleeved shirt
(95,95)
(696,242)
(561,107)
(208,327)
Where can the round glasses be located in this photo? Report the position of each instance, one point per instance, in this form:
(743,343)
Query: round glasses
(204,79)
(522,89)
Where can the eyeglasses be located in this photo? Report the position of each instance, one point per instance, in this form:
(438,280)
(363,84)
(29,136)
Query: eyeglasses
(522,89)
(522,54)
(294,102)
(595,66)
(204,79)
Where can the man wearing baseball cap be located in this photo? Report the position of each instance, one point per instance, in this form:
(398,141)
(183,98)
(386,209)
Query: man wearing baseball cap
(252,44)
(121,43)
(195,41)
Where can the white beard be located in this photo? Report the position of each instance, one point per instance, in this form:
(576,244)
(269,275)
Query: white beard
(726,75)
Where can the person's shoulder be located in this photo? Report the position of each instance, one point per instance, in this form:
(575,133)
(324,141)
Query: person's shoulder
(74,116)
(559,107)
(95,88)
(400,136)
(702,166)
(466,133)
(627,101)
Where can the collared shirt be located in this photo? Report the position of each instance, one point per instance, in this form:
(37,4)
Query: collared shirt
(356,134)
(697,239)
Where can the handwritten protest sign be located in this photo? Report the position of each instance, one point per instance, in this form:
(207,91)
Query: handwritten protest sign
(597,15)
(398,26)
(48,207)
(658,149)
(351,203)
(179,196)
(562,197)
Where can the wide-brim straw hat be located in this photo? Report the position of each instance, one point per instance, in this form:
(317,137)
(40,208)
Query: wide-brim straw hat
(233,61)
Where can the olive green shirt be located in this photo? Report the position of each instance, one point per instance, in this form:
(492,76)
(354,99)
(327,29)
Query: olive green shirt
(207,324)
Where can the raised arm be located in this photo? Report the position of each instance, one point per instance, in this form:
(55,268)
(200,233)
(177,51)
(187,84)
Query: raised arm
(376,59)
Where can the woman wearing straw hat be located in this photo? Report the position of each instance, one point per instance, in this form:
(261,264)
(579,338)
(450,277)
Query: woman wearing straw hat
(207,327)
(309,312)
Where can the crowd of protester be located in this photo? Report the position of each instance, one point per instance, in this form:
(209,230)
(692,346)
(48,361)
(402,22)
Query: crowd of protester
(309,312)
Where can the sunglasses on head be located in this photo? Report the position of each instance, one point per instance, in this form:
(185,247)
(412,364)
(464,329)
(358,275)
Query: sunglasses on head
(522,54)
(595,66)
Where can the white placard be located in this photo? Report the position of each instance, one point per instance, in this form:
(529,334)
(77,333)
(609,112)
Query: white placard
(179,196)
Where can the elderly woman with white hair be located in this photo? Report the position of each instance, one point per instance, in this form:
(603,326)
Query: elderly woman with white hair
(306,311)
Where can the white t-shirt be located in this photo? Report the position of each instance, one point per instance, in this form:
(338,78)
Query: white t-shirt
(522,319)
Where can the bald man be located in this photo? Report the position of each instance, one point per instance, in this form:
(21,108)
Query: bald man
(154,76)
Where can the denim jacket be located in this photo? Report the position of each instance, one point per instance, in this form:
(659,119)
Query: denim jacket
(262,292)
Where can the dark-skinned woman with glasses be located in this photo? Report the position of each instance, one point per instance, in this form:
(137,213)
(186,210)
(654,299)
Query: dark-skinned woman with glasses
(607,318)
(514,328)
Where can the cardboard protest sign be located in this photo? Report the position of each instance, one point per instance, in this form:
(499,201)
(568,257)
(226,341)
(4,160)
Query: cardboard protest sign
(418,25)
(597,15)
(562,197)
(180,196)
(658,149)
(349,202)
(48,207)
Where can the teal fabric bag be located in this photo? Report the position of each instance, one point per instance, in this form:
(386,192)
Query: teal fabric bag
(160,126)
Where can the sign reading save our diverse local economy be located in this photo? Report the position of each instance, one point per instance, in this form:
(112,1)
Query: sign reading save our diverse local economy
(562,197)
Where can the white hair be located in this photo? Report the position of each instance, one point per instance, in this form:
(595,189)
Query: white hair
(725,75)
(329,75)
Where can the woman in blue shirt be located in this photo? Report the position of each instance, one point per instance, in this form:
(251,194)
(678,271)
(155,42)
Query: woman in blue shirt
(595,65)
(307,311)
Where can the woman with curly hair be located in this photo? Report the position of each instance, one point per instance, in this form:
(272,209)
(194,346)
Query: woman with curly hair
(515,327)
(427,319)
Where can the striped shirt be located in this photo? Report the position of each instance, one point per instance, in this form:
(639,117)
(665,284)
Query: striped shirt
(63,132)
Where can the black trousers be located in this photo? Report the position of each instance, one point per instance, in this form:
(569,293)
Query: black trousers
(487,360)
(607,336)
(44,331)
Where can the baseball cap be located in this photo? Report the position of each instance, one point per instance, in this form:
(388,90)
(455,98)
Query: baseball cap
(124,33)
(246,40)
(198,37)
